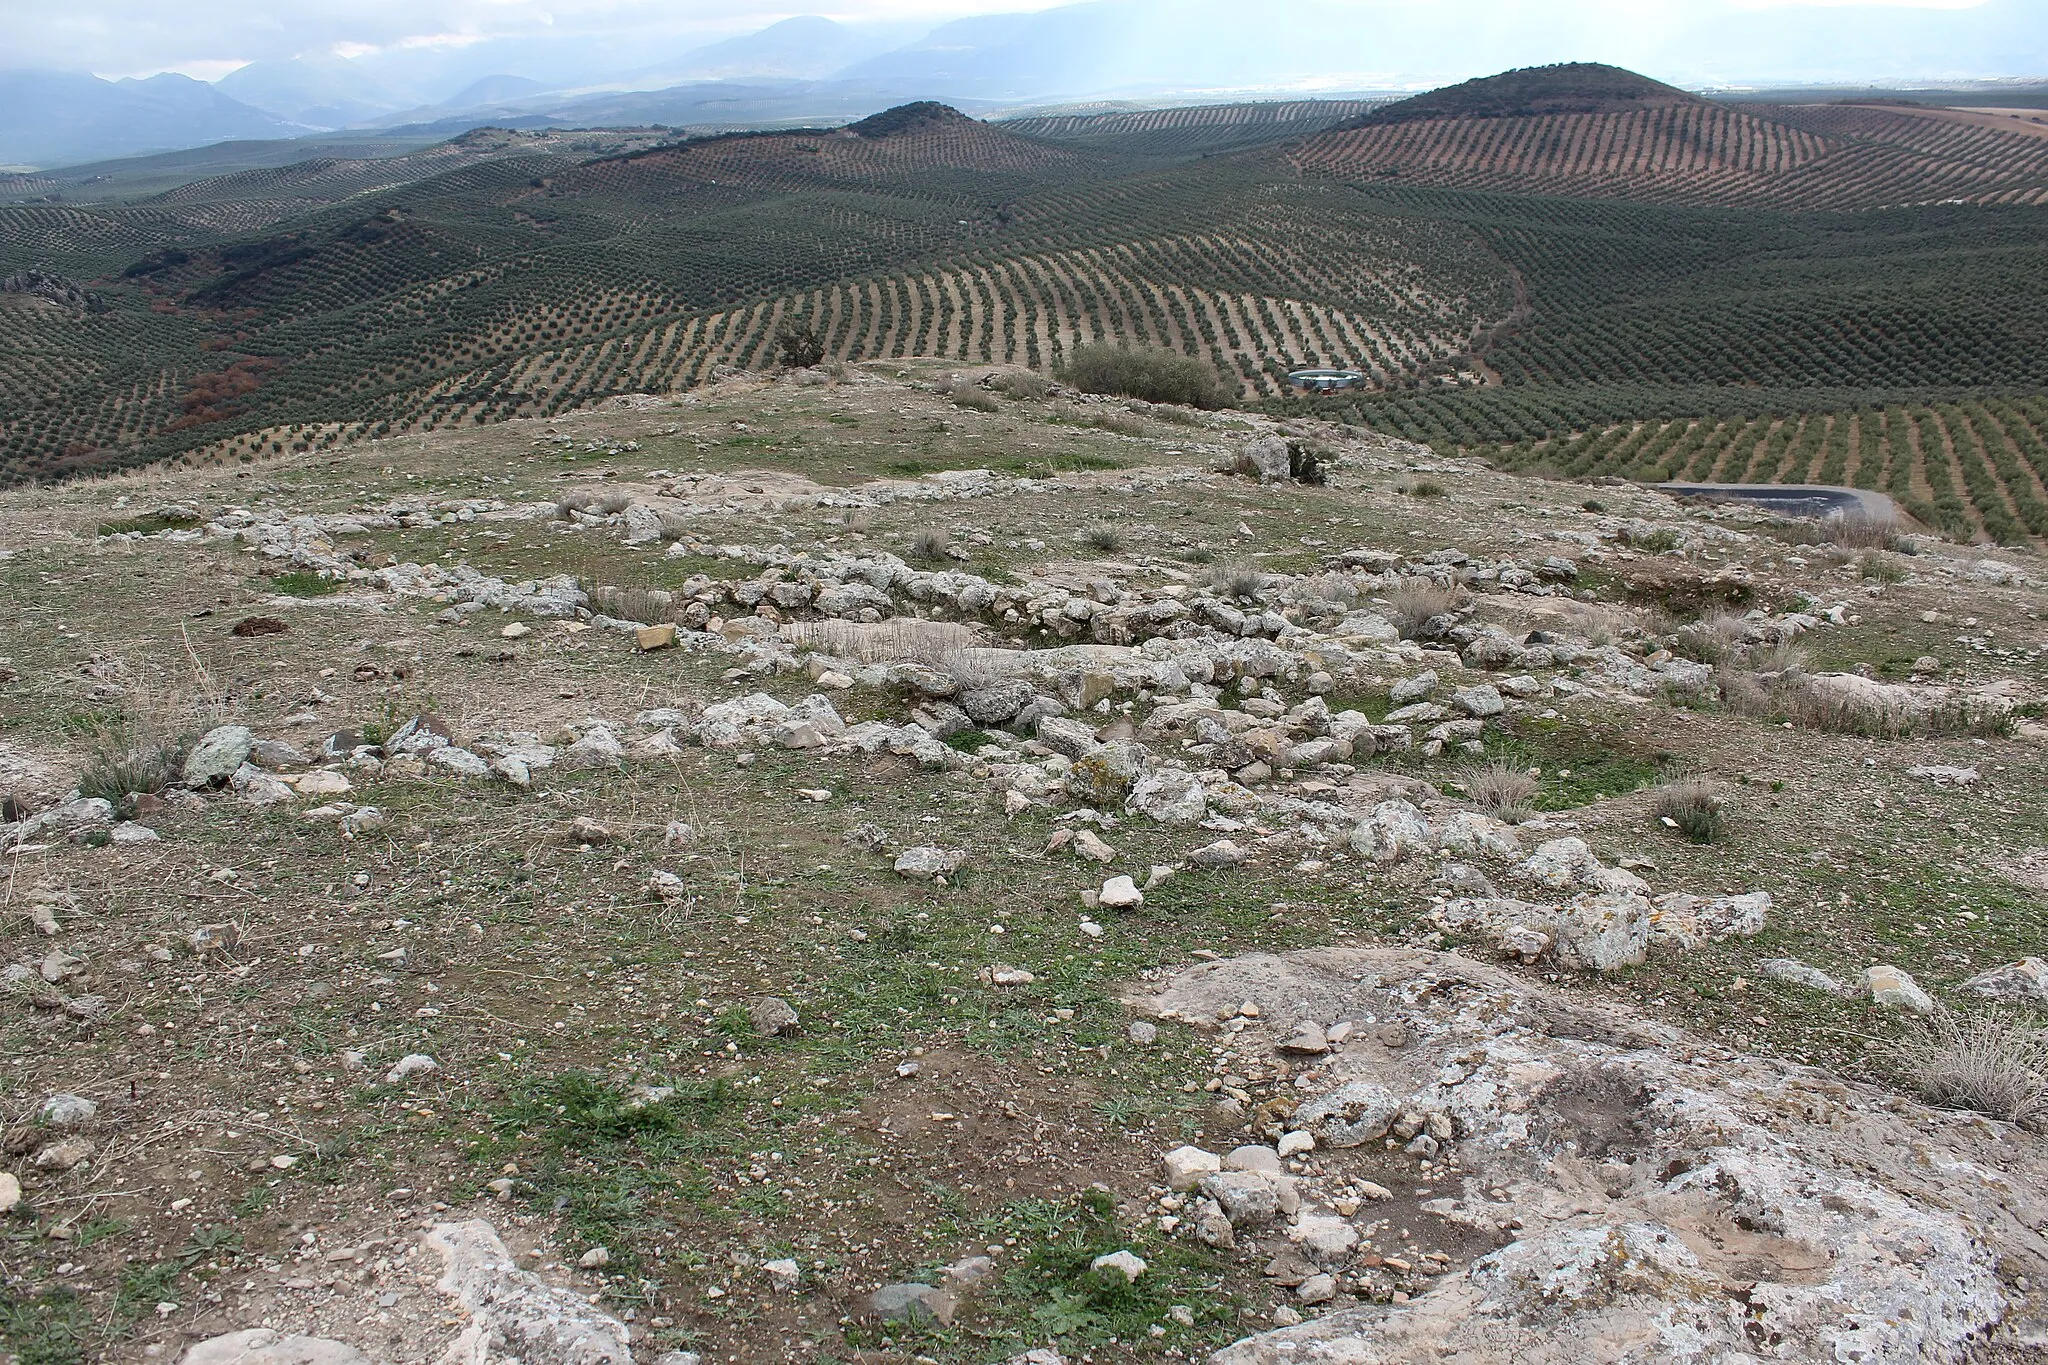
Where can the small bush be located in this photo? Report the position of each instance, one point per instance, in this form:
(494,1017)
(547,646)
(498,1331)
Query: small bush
(1103,539)
(1414,602)
(1426,488)
(1880,567)
(1241,581)
(1991,1063)
(1593,505)
(1501,789)
(931,545)
(1693,807)
(1150,373)
(611,504)
(799,343)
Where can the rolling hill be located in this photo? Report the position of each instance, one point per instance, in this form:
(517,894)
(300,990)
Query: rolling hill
(1568,254)
(1594,132)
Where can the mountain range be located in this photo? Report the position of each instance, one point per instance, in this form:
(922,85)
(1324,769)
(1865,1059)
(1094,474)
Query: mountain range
(811,68)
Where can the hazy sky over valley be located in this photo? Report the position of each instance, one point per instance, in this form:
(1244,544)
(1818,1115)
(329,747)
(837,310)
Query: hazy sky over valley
(1305,42)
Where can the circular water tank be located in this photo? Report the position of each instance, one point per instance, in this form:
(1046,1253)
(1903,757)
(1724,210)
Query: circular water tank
(1322,381)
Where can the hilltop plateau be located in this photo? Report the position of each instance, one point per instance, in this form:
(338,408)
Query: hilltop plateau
(906,861)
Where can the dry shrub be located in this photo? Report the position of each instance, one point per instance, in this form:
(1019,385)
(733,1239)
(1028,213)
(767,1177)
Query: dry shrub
(1501,789)
(1693,807)
(674,525)
(1239,580)
(141,750)
(1786,693)
(1600,623)
(1714,640)
(1991,1063)
(976,399)
(611,504)
(1026,384)
(648,606)
(1414,602)
(931,545)
(903,639)
(1103,538)
(1880,567)
(1854,532)
(1120,423)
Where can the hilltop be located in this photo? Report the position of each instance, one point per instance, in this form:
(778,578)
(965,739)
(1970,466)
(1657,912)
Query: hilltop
(1534,92)
(897,861)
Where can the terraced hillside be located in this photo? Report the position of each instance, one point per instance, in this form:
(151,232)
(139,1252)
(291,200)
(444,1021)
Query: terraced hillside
(1977,468)
(1195,130)
(1667,147)
(248,314)
(533,284)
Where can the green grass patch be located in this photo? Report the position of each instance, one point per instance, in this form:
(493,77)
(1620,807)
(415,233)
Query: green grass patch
(598,1157)
(302,584)
(148,524)
(1577,770)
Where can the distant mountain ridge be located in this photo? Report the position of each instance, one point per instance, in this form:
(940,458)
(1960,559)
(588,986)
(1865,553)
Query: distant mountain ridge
(54,118)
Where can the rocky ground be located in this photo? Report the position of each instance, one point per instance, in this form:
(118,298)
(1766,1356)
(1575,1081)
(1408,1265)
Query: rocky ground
(866,868)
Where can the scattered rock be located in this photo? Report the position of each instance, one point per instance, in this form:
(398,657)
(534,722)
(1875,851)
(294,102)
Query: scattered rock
(262,1346)
(774,1017)
(1891,988)
(927,862)
(1126,1263)
(412,1064)
(2024,982)
(910,1303)
(218,755)
(67,1112)
(1120,893)
(1792,970)
(1186,1167)
(513,1312)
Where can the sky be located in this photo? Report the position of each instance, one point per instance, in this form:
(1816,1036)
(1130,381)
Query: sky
(208,38)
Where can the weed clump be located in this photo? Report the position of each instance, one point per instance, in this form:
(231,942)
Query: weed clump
(1414,602)
(1148,372)
(1103,539)
(1694,808)
(1502,789)
(1991,1063)
(1242,581)
(1026,385)
(931,545)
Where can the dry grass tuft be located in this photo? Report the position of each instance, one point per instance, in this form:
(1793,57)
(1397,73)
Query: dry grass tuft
(1693,807)
(1715,640)
(931,545)
(1103,538)
(905,639)
(1501,789)
(1414,602)
(1239,580)
(648,606)
(1991,1063)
